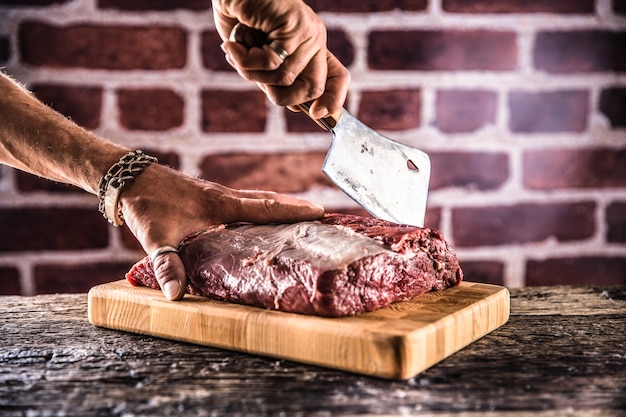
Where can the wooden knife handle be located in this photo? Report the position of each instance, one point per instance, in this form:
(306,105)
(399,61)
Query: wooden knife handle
(327,122)
(251,38)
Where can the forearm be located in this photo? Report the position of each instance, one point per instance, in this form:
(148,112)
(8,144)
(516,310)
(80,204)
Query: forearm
(36,139)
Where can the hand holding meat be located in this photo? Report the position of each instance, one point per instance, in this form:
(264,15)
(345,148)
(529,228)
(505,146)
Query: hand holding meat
(300,68)
(160,206)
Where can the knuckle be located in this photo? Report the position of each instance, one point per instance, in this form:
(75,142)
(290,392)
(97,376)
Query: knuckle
(315,91)
(345,74)
(162,265)
(164,268)
(286,77)
(281,101)
(270,205)
(279,96)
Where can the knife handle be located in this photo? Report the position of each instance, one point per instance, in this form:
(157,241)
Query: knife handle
(251,38)
(327,122)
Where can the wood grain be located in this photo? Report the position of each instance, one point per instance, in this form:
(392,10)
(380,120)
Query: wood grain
(396,342)
(567,360)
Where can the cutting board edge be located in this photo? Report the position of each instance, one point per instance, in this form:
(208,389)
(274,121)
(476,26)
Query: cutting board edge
(397,352)
(146,325)
(494,304)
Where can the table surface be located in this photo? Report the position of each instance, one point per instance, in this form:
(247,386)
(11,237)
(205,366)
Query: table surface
(562,352)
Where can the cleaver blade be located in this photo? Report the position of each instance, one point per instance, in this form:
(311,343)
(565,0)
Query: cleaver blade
(387,178)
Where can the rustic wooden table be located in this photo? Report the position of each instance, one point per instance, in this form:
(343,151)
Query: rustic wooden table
(563,352)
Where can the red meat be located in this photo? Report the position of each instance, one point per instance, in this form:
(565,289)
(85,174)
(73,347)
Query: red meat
(340,266)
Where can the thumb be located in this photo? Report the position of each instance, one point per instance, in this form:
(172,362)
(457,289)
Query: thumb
(170,274)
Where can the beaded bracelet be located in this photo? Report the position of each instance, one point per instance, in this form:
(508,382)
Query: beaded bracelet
(113,182)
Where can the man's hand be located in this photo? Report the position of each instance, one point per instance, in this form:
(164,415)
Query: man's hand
(309,72)
(162,206)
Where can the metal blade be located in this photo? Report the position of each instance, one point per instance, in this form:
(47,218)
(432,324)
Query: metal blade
(388,179)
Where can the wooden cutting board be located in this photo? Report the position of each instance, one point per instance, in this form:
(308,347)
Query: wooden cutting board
(395,342)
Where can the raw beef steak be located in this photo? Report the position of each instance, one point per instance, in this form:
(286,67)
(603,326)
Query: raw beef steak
(340,266)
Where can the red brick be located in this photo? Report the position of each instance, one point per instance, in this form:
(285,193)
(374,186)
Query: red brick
(339,44)
(32,2)
(81,104)
(584,51)
(28,183)
(490,272)
(150,109)
(613,105)
(9,281)
(129,240)
(233,111)
(574,168)
(300,123)
(501,225)
(545,112)
(366,6)
(53,228)
(471,170)
(284,173)
(391,109)
(140,5)
(460,111)
(619,6)
(452,50)
(519,6)
(5,49)
(103,47)
(616,222)
(77,277)
(170,159)
(212,55)
(433,217)
(587,270)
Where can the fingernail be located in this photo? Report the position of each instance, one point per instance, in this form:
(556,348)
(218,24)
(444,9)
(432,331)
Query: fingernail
(171,289)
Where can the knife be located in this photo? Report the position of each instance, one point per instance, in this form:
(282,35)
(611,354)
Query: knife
(387,178)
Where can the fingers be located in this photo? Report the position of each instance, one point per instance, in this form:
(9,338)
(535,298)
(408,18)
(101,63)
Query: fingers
(268,207)
(252,63)
(295,69)
(161,216)
(307,85)
(291,51)
(336,89)
(223,24)
(324,80)
(170,274)
(300,78)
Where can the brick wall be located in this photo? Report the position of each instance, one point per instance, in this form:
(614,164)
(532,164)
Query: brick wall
(520,103)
